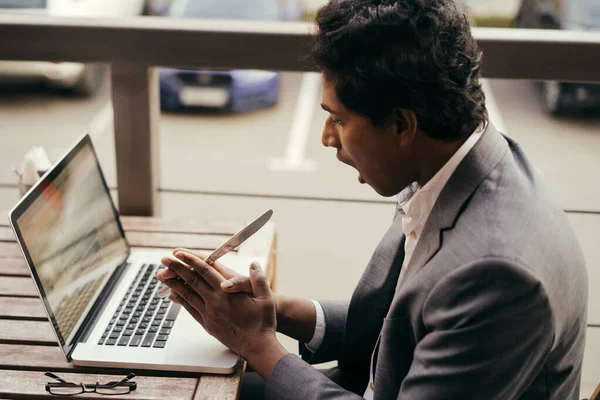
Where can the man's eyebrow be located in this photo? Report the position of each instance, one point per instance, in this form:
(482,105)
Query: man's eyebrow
(328,109)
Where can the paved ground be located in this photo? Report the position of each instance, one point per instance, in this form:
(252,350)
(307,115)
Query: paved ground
(228,167)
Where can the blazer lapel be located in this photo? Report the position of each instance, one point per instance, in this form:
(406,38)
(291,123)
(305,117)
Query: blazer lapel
(469,174)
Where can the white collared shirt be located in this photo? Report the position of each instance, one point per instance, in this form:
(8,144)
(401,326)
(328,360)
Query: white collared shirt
(414,205)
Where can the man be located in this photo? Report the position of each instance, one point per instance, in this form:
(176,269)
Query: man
(477,291)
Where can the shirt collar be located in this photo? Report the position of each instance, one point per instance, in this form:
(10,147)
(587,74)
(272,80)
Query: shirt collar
(415,203)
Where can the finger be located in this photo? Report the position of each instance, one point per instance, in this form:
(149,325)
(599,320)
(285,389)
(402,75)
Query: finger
(174,298)
(192,278)
(206,271)
(258,279)
(187,294)
(201,256)
(165,273)
(189,308)
(165,261)
(238,283)
(226,272)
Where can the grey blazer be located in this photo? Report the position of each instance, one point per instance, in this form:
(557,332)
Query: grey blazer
(493,305)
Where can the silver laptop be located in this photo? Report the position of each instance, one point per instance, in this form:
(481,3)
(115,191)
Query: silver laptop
(100,295)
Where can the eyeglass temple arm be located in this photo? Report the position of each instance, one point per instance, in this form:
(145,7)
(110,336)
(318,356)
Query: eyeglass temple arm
(54,376)
(122,381)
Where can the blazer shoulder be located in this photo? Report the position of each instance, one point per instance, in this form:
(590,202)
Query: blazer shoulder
(483,288)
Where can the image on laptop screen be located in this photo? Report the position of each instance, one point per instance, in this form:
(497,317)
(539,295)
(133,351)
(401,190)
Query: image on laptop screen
(73,238)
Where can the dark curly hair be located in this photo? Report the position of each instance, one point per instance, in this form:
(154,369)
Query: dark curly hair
(411,54)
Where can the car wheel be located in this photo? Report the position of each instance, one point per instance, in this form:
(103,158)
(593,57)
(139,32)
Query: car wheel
(552,98)
(90,81)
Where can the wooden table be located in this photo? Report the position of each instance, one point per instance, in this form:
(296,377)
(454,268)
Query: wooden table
(28,347)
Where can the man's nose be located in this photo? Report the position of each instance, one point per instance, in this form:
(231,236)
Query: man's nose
(328,136)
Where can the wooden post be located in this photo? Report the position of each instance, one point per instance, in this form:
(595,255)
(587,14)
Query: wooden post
(135,98)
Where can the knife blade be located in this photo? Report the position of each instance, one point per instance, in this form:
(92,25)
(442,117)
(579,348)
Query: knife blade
(232,243)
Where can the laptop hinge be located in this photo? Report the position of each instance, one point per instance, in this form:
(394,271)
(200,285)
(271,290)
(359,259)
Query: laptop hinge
(99,305)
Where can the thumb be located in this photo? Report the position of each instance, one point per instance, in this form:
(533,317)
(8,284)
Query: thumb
(239,283)
(259,282)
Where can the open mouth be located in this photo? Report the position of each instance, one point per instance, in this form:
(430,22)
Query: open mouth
(343,160)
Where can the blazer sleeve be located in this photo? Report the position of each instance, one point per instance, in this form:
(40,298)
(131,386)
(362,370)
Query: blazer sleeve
(292,379)
(335,313)
(490,331)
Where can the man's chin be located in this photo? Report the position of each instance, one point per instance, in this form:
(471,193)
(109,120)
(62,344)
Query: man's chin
(385,192)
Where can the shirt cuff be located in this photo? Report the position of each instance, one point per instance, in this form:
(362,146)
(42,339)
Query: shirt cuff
(319,333)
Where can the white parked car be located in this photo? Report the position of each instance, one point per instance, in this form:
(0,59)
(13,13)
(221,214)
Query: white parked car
(82,79)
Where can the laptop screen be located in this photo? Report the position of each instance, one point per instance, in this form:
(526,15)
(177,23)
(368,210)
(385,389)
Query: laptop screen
(72,238)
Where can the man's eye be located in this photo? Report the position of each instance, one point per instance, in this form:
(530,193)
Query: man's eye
(337,121)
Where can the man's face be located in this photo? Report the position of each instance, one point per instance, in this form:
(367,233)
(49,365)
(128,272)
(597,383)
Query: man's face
(377,153)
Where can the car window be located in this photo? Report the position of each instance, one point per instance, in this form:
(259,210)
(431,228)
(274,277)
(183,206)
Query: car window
(583,13)
(22,3)
(261,10)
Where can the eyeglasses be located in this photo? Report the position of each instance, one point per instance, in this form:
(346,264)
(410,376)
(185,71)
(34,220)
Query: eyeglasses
(64,388)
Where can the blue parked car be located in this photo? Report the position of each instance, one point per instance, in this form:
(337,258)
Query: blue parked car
(236,90)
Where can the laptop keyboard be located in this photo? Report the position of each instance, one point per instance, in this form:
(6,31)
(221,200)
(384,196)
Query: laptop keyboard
(142,319)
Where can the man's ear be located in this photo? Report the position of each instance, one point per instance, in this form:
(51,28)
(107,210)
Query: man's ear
(406,126)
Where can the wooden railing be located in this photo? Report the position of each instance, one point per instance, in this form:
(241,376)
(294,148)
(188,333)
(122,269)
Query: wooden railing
(134,47)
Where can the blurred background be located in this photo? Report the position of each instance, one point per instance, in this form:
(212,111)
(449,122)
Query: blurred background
(234,143)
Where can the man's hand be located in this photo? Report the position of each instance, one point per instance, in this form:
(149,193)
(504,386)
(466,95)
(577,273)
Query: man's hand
(241,321)
(295,316)
(233,283)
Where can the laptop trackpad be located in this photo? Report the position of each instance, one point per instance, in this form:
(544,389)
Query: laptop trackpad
(191,345)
